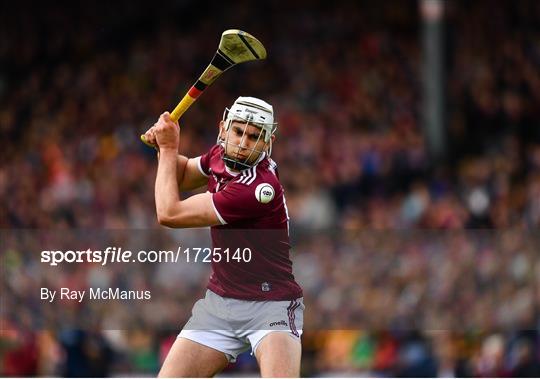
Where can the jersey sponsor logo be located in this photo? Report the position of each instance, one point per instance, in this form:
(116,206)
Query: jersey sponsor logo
(265,287)
(264,193)
(281,322)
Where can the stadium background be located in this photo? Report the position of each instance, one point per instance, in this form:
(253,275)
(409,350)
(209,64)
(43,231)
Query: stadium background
(394,284)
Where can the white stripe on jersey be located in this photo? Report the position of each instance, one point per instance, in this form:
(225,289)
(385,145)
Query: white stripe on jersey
(254,176)
(248,176)
(198,159)
(273,166)
(221,219)
(287,214)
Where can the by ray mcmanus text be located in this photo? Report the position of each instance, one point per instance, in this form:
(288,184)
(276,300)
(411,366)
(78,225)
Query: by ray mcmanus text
(67,294)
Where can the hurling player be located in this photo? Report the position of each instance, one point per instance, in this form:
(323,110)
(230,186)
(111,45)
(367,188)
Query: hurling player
(252,300)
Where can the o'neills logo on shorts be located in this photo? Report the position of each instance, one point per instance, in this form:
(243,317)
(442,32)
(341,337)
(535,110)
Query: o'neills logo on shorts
(282,322)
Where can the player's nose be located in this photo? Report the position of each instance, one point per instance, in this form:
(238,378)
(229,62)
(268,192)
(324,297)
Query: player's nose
(243,143)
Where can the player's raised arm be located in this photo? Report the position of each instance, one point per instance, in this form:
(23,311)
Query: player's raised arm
(195,211)
(189,176)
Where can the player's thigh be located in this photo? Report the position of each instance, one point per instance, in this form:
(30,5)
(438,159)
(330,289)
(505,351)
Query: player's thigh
(279,354)
(191,359)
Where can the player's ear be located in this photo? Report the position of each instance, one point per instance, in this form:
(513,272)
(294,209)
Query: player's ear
(268,145)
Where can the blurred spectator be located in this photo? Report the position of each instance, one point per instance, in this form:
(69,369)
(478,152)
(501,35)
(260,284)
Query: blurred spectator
(378,230)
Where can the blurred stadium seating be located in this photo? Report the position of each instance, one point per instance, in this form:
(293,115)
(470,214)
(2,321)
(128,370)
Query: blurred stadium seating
(410,268)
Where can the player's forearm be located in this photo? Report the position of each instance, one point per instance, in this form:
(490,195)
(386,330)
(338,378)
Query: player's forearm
(180,169)
(166,188)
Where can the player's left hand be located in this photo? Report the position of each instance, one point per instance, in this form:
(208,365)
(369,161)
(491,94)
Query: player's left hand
(150,137)
(167,132)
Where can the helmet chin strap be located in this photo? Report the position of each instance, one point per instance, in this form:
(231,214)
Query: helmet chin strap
(235,165)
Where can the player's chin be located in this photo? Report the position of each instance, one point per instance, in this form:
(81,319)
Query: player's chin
(246,159)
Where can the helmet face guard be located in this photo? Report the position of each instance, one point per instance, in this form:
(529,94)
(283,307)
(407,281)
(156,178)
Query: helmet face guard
(247,111)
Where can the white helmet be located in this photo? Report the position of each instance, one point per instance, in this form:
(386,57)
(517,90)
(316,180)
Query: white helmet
(256,112)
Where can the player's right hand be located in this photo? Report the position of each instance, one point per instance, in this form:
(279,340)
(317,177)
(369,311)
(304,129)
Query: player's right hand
(167,132)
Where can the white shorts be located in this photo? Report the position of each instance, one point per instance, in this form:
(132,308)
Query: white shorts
(232,326)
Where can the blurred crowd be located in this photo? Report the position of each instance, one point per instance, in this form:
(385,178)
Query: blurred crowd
(384,303)
(79,83)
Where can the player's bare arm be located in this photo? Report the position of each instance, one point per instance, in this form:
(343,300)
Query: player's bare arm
(188,175)
(172,211)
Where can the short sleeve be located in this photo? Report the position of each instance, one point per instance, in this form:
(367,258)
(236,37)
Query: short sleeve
(204,160)
(238,202)
(200,167)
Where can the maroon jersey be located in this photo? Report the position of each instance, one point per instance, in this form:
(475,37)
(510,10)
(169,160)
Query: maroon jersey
(251,207)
